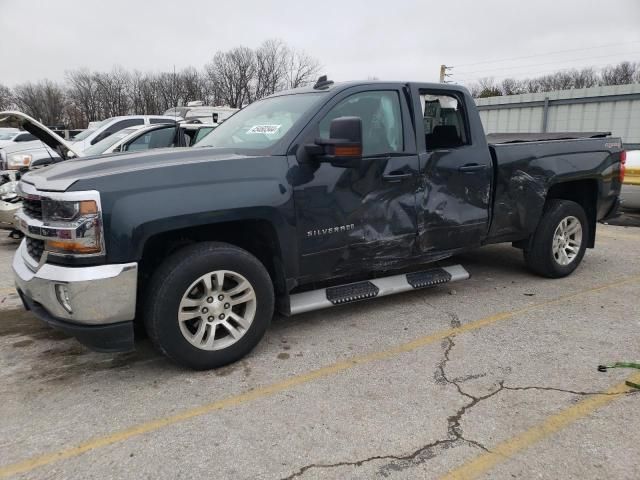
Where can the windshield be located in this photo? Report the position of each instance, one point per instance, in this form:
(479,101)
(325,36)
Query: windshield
(85,133)
(8,136)
(261,124)
(103,145)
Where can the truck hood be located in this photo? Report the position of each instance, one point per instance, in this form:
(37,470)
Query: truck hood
(48,137)
(61,176)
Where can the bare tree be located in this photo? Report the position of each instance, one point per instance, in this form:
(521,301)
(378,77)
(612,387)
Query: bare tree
(192,85)
(271,68)
(232,73)
(486,87)
(511,86)
(234,78)
(82,93)
(302,69)
(585,78)
(43,100)
(112,92)
(621,74)
(6,98)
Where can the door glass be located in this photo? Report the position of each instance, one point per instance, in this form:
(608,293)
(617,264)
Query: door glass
(443,121)
(381,120)
(155,139)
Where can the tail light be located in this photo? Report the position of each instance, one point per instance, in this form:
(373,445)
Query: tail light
(623,162)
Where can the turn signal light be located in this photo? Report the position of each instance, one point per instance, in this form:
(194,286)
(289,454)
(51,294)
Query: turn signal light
(71,247)
(88,207)
(343,151)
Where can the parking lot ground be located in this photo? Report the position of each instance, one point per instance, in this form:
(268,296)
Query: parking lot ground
(494,377)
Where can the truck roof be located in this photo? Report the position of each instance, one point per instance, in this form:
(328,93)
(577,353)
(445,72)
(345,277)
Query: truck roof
(329,86)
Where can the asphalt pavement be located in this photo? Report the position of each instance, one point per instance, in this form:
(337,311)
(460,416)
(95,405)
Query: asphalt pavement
(494,377)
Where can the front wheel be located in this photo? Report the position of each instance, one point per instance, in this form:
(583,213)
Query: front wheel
(560,241)
(208,305)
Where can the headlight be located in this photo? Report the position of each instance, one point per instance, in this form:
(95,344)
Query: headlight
(17,161)
(76,225)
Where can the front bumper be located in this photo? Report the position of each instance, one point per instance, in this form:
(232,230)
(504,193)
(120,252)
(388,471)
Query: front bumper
(95,304)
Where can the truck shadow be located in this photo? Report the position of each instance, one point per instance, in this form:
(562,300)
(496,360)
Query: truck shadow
(39,352)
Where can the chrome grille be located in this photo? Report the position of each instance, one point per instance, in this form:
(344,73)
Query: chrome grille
(35,248)
(32,208)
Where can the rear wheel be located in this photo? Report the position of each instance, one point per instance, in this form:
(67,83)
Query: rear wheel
(560,241)
(208,305)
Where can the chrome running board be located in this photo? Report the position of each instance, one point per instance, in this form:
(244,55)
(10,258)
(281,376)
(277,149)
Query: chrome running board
(378,287)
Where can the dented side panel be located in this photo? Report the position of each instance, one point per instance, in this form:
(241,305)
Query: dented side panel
(354,220)
(526,172)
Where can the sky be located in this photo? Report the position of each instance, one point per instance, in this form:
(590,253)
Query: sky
(387,39)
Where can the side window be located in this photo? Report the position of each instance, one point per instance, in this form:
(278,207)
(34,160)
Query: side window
(203,132)
(25,137)
(381,120)
(161,138)
(443,120)
(161,120)
(116,127)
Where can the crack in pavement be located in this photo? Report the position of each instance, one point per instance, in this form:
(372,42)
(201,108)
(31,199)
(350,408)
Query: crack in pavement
(454,430)
(572,392)
(425,452)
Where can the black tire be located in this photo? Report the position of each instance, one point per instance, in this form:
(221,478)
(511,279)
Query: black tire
(172,279)
(539,256)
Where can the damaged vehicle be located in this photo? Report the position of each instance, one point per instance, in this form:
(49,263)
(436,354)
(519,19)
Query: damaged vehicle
(137,138)
(9,136)
(9,205)
(307,199)
(39,152)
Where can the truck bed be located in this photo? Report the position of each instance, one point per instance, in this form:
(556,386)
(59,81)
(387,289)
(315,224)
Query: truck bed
(526,170)
(497,138)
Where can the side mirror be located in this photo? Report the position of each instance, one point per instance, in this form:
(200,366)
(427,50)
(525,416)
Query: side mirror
(343,148)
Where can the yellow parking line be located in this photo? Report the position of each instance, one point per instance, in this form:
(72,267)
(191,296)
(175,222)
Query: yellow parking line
(507,449)
(286,384)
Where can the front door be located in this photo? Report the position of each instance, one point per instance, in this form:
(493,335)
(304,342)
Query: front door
(355,220)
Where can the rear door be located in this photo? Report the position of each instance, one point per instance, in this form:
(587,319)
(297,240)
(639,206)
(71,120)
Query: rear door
(363,218)
(455,172)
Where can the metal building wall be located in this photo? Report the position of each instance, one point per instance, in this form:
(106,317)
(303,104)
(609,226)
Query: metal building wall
(613,108)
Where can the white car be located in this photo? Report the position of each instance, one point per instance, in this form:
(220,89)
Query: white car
(51,148)
(108,127)
(205,114)
(147,137)
(9,136)
(630,194)
(21,155)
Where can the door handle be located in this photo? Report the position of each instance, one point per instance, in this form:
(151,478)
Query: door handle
(471,167)
(394,177)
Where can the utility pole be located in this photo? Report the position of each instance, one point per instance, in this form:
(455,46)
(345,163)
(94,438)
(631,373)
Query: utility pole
(443,73)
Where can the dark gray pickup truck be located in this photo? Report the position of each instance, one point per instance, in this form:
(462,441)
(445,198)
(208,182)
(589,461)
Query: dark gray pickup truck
(306,199)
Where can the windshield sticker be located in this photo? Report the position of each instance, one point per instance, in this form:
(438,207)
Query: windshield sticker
(266,129)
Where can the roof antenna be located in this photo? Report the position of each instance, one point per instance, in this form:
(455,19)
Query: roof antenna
(322,83)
